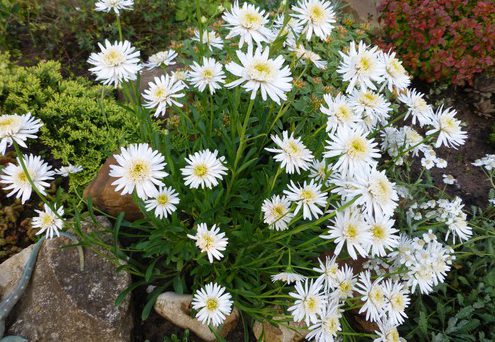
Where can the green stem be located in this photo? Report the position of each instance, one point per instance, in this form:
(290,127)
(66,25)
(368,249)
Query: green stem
(119,27)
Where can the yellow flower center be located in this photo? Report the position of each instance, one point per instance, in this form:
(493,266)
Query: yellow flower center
(364,64)
(139,171)
(162,199)
(278,211)
(307,195)
(343,112)
(200,170)
(9,124)
(211,304)
(397,302)
(22,177)
(378,232)
(161,94)
(395,68)
(376,295)
(208,73)
(261,71)
(332,324)
(251,20)
(47,220)
(351,231)
(293,148)
(310,304)
(345,286)
(393,336)
(316,13)
(369,99)
(357,147)
(381,189)
(448,124)
(113,57)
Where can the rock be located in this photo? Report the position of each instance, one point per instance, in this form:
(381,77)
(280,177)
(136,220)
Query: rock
(105,198)
(63,303)
(177,309)
(11,270)
(267,332)
(364,11)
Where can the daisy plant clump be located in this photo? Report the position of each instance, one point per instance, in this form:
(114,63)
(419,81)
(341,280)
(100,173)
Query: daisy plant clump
(274,172)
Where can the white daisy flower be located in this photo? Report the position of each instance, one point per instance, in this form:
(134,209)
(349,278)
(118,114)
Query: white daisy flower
(209,38)
(65,171)
(449,179)
(17,181)
(288,277)
(164,202)
(388,333)
(328,324)
(395,75)
(361,67)
(115,5)
(213,304)
(304,56)
(355,152)
(373,296)
(210,241)
(163,92)
(116,63)
(319,171)
(259,72)
(448,127)
(383,235)
(49,221)
(290,30)
(277,212)
(349,228)
(328,272)
(345,283)
(487,162)
(249,23)
(371,106)
(338,111)
(17,128)
(317,16)
(417,107)
(310,301)
(165,58)
(397,301)
(291,154)
(309,197)
(459,228)
(376,194)
(210,74)
(203,169)
(139,169)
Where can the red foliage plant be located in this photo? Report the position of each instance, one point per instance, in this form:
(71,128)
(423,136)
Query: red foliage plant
(441,40)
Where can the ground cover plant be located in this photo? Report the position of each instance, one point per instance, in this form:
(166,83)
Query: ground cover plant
(273,171)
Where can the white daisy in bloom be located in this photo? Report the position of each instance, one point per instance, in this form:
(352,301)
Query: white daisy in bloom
(328,272)
(164,202)
(420,111)
(163,92)
(355,152)
(361,67)
(448,127)
(210,241)
(371,106)
(165,58)
(277,212)
(304,56)
(249,23)
(213,304)
(260,72)
(395,75)
(17,128)
(49,222)
(339,112)
(115,5)
(397,301)
(309,197)
(373,296)
(290,30)
(317,16)
(65,171)
(309,301)
(421,276)
(116,63)
(383,236)
(487,162)
(459,228)
(349,228)
(139,169)
(209,38)
(376,194)
(17,181)
(210,74)
(345,283)
(388,333)
(328,324)
(319,171)
(291,154)
(203,169)
(288,277)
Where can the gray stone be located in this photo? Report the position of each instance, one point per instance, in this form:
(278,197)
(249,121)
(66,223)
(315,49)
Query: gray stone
(11,270)
(364,11)
(177,309)
(266,332)
(63,303)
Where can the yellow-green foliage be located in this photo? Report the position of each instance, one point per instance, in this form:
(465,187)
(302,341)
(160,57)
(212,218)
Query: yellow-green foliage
(81,126)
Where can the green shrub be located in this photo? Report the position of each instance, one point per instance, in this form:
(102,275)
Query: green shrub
(82,122)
